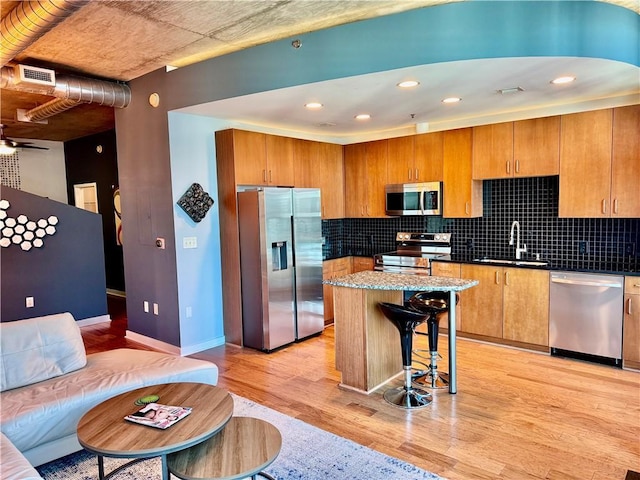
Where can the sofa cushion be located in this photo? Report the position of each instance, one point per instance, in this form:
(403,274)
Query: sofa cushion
(38,349)
(13,465)
(50,410)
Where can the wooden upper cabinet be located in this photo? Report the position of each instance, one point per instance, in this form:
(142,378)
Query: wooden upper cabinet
(526,148)
(365,170)
(625,162)
(355,180)
(304,160)
(279,164)
(462,196)
(585,164)
(250,157)
(262,159)
(493,151)
(330,173)
(536,147)
(319,165)
(377,156)
(415,159)
(400,164)
(428,152)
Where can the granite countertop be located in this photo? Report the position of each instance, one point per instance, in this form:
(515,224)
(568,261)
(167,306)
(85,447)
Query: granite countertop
(373,280)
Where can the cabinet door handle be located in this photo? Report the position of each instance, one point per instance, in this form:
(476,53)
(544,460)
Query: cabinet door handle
(270,177)
(629,306)
(497,278)
(417,174)
(615,205)
(508,163)
(604,205)
(506,278)
(466,208)
(264,175)
(409,174)
(517,166)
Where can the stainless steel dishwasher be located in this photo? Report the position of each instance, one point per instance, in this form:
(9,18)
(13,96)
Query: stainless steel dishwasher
(585,316)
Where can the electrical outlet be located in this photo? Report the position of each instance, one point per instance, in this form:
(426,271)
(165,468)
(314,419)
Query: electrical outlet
(155,309)
(470,244)
(629,248)
(582,247)
(145,305)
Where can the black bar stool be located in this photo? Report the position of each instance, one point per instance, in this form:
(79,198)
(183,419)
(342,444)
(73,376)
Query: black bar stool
(432,304)
(405,319)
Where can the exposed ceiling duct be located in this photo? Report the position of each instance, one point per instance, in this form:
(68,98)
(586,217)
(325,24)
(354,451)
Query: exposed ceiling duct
(29,21)
(68,90)
(23,26)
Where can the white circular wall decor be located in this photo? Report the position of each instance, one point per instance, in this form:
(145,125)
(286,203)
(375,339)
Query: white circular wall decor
(22,231)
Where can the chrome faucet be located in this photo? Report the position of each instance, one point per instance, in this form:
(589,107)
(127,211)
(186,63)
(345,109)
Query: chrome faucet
(519,251)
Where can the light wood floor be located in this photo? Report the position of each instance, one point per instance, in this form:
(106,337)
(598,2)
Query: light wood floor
(517,414)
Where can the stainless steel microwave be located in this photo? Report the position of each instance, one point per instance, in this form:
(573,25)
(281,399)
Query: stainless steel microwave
(414,199)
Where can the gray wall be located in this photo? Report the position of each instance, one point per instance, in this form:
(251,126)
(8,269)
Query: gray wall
(65,275)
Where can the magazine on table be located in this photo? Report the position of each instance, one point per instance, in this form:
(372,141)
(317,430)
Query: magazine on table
(158,415)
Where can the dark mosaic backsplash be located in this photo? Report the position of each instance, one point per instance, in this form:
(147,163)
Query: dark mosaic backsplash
(609,244)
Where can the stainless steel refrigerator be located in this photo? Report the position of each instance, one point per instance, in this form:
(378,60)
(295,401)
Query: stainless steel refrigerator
(281,265)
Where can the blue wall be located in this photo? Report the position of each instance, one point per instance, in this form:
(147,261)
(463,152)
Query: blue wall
(66,274)
(193,159)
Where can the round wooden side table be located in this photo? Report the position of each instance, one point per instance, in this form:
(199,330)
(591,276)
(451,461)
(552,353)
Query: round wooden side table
(243,448)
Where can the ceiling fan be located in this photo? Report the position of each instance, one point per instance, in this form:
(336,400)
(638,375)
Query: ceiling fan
(8,146)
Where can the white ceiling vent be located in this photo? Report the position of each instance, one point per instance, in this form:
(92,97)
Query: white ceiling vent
(34,76)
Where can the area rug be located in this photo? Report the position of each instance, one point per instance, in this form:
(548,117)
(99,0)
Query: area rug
(307,453)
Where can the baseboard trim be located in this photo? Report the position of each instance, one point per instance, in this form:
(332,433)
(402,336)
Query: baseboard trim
(116,293)
(85,322)
(168,348)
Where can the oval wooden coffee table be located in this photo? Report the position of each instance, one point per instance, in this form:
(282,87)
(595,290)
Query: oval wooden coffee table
(243,448)
(104,431)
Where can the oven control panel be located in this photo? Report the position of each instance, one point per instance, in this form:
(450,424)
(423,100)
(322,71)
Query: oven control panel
(423,237)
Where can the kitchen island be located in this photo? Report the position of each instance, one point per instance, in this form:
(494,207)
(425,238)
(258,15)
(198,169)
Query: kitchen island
(367,344)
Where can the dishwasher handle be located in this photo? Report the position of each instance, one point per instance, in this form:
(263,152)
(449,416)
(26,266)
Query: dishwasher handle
(586,283)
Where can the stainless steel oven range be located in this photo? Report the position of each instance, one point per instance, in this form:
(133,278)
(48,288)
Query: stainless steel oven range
(414,252)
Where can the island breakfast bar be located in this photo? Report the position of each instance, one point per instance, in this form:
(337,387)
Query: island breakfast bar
(367,346)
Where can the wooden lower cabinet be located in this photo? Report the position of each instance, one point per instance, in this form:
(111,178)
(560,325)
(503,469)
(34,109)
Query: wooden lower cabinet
(526,306)
(361,264)
(337,267)
(631,325)
(511,304)
(482,305)
(450,270)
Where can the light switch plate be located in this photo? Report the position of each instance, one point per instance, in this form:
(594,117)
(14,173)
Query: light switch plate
(189,242)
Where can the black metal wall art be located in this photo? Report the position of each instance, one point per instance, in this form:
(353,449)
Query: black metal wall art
(195,202)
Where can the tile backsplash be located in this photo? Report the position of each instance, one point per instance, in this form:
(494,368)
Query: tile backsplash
(573,243)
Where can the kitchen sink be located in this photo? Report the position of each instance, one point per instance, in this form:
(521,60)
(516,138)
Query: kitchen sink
(526,263)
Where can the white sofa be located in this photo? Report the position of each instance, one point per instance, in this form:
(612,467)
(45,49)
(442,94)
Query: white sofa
(47,382)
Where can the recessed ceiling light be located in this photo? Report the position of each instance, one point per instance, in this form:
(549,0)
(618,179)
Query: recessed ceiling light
(313,105)
(363,116)
(408,84)
(451,100)
(562,80)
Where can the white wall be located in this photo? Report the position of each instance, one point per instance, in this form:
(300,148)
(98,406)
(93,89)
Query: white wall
(43,172)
